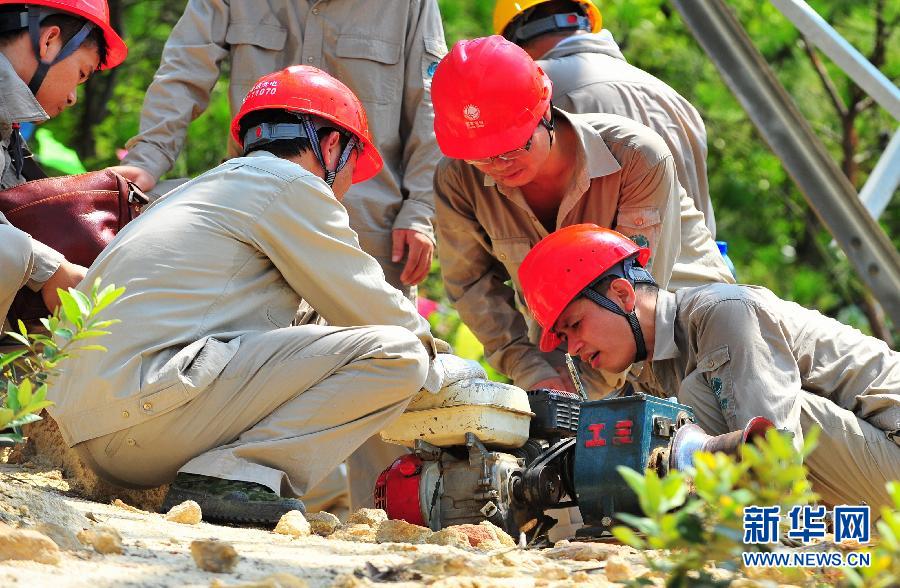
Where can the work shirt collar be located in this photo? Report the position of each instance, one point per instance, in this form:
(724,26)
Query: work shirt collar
(664,346)
(18,104)
(593,159)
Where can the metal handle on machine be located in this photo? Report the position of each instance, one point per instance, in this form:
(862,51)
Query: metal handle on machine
(576,377)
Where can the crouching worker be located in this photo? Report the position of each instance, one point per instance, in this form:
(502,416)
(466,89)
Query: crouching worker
(47,49)
(206,382)
(729,352)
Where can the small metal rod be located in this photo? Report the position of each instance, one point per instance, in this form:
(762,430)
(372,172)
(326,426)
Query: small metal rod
(573,371)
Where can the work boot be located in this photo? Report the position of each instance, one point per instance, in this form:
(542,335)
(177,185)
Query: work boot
(230,501)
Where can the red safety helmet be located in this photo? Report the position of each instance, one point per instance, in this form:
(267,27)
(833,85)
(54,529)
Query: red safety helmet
(488,97)
(563,264)
(304,89)
(95,11)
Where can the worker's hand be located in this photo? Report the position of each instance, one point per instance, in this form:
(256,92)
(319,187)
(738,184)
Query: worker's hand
(67,276)
(418,258)
(141,177)
(558,383)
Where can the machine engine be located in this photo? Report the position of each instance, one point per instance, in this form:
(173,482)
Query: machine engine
(568,458)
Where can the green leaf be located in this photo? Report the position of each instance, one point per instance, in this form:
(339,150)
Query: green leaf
(40,394)
(70,311)
(18,337)
(84,303)
(88,334)
(12,395)
(24,392)
(628,537)
(64,333)
(6,416)
(642,524)
(8,358)
(22,328)
(92,348)
(634,480)
(107,296)
(11,438)
(25,419)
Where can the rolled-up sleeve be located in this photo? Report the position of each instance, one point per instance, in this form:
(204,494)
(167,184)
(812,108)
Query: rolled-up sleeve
(425,48)
(476,284)
(181,88)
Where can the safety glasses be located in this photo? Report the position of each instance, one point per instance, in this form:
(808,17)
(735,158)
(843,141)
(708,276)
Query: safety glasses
(514,154)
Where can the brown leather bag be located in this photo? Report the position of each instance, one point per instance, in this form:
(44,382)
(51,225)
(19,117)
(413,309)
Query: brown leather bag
(76,215)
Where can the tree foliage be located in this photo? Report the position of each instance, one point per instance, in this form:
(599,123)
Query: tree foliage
(775,240)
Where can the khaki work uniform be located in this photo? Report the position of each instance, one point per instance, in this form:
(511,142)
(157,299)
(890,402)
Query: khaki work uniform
(205,373)
(624,179)
(385,51)
(23,261)
(736,352)
(590,74)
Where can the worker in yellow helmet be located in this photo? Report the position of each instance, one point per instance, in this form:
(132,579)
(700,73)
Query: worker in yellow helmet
(590,74)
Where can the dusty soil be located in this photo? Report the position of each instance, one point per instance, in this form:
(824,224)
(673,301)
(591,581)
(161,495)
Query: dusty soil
(153,551)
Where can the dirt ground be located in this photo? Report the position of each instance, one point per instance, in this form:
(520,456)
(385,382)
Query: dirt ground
(37,498)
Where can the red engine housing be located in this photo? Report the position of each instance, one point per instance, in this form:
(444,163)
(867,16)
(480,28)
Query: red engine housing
(397,490)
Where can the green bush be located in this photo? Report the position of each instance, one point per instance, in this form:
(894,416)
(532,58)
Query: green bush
(26,372)
(709,528)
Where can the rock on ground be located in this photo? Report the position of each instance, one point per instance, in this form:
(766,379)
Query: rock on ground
(451,536)
(580,551)
(24,544)
(356,533)
(214,556)
(293,523)
(187,513)
(103,539)
(484,536)
(367,516)
(397,531)
(323,523)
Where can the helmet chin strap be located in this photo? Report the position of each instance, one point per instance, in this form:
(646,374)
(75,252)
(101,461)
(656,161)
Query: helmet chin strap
(330,174)
(635,274)
(34,30)
(305,129)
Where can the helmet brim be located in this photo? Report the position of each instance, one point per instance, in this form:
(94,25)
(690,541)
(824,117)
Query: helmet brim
(116,49)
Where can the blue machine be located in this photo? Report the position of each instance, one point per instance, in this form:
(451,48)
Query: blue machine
(634,431)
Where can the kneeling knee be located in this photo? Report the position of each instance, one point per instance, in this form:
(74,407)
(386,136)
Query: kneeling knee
(409,360)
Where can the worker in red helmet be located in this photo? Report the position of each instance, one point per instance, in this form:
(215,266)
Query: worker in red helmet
(516,169)
(47,48)
(590,74)
(206,384)
(729,352)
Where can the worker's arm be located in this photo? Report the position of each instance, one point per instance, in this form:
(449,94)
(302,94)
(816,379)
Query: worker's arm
(413,232)
(475,283)
(425,47)
(306,233)
(181,87)
(744,362)
(649,204)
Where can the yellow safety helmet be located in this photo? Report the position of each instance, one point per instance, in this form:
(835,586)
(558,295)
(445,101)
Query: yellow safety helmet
(506,11)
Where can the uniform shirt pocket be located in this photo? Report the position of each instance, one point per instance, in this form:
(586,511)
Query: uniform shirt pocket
(714,369)
(256,49)
(370,67)
(511,253)
(641,225)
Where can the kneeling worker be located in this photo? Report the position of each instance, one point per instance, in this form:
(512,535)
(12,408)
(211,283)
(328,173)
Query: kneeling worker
(729,352)
(206,382)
